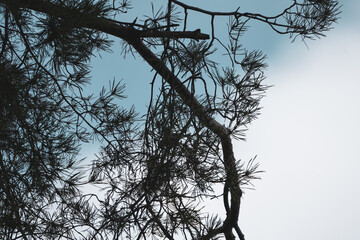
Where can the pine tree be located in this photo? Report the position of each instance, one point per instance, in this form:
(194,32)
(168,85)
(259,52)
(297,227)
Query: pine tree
(157,167)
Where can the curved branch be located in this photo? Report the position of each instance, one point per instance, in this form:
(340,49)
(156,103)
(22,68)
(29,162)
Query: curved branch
(221,131)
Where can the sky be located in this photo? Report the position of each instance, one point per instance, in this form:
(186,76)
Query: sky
(307,140)
(307,136)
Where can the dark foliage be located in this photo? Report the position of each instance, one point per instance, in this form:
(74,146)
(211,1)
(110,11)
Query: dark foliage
(157,168)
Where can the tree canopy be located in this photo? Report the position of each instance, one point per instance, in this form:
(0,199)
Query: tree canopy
(156,167)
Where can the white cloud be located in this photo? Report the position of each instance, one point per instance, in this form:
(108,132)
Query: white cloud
(307,141)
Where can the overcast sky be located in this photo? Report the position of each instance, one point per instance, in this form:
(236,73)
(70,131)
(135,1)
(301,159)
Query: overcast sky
(306,138)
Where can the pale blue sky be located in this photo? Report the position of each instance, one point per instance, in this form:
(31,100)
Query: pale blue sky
(307,136)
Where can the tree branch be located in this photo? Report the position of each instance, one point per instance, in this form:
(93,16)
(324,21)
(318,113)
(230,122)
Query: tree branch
(133,37)
(98,23)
